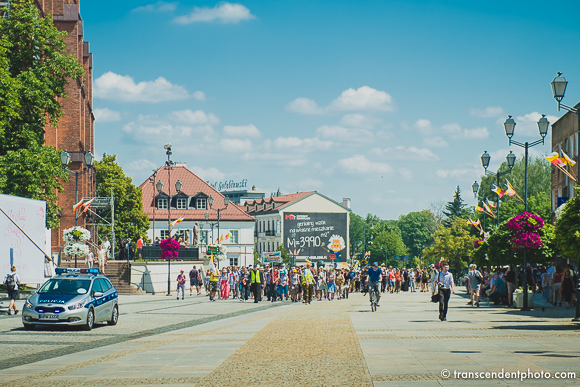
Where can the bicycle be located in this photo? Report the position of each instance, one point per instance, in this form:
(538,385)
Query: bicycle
(374,297)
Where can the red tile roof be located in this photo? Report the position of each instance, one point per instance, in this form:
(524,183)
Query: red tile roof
(282,200)
(192,185)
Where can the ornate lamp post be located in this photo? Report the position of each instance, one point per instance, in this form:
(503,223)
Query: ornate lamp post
(159,186)
(510,126)
(65,160)
(511,159)
(559,84)
(226,202)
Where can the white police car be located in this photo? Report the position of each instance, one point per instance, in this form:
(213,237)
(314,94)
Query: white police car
(80,297)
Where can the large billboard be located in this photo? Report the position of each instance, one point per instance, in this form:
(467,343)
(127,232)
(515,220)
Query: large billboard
(316,236)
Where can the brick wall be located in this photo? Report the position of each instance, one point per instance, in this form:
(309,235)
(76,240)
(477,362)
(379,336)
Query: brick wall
(75,131)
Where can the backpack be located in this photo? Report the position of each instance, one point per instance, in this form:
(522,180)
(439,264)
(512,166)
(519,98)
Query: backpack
(478,277)
(10,282)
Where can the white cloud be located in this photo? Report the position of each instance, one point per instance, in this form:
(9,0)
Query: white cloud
(106,115)
(363,98)
(306,144)
(160,6)
(198,117)
(122,88)
(338,133)
(456,132)
(488,112)
(242,131)
(208,174)
(223,12)
(423,126)
(406,174)
(236,145)
(422,153)
(304,106)
(411,153)
(199,95)
(359,121)
(527,125)
(137,166)
(455,173)
(435,142)
(359,164)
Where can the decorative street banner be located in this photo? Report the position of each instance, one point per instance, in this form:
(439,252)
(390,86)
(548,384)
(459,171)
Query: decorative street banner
(275,256)
(318,236)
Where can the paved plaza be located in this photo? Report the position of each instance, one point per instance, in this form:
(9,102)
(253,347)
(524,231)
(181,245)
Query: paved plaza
(163,341)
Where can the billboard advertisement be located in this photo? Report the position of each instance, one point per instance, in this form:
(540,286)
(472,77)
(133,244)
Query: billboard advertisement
(272,257)
(316,236)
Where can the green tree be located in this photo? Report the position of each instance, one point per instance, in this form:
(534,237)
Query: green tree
(454,243)
(286,258)
(130,220)
(455,209)
(539,183)
(499,248)
(34,70)
(568,229)
(387,244)
(417,230)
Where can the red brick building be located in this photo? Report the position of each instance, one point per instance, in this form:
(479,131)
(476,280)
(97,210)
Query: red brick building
(76,130)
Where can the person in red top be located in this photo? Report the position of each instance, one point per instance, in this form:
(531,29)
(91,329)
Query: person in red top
(391,279)
(273,284)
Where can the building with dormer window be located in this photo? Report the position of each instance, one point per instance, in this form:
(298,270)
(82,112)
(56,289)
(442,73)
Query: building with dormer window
(192,204)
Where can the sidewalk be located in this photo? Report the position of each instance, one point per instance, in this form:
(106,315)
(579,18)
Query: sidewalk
(332,343)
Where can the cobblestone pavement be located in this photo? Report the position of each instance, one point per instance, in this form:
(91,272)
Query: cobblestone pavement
(193,342)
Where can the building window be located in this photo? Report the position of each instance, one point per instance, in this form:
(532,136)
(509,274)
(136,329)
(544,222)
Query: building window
(234,261)
(268,246)
(234,237)
(164,233)
(181,203)
(161,203)
(201,204)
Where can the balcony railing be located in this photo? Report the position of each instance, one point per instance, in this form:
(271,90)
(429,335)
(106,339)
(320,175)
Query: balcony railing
(270,233)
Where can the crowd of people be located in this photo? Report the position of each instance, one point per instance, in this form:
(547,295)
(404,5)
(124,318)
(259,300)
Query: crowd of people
(298,284)
(556,283)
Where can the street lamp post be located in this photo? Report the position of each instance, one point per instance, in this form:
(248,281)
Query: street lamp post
(65,160)
(559,89)
(511,159)
(226,202)
(159,186)
(475,189)
(510,126)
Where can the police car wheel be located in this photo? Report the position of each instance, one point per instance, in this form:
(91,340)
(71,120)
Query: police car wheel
(114,316)
(29,327)
(90,320)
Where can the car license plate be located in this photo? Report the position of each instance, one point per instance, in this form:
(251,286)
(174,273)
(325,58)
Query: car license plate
(47,317)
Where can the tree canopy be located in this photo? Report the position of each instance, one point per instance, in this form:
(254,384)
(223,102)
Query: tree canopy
(130,220)
(455,209)
(417,230)
(568,229)
(35,67)
(454,244)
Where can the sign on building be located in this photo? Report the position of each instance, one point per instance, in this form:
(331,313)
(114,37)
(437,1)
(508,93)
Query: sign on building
(275,256)
(316,236)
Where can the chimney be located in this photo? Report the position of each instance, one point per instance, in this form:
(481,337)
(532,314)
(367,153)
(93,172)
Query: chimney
(346,203)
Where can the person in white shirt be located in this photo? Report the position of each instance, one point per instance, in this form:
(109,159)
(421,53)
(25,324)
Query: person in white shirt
(102,258)
(446,286)
(107,247)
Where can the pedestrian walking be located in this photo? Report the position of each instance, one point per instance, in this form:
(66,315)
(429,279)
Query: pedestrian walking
(102,258)
(181,285)
(213,281)
(12,282)
(308,283)
(256,280)
(474,279)
(194,281)
(444,281)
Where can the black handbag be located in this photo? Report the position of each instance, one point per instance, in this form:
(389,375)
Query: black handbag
(435,297)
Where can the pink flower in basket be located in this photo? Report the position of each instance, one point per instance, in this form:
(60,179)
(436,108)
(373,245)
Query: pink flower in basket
(169,248)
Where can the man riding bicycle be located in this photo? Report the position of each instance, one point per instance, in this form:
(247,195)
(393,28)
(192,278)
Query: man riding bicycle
(374,281)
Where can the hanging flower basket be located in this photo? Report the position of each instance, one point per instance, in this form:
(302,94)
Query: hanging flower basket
(76,234)
(525,229)
(169,248)
(76,250)
(478,243)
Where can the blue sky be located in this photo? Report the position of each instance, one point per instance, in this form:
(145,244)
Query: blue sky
(389,103)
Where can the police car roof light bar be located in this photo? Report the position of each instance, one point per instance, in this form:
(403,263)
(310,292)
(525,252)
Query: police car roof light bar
(63,270)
